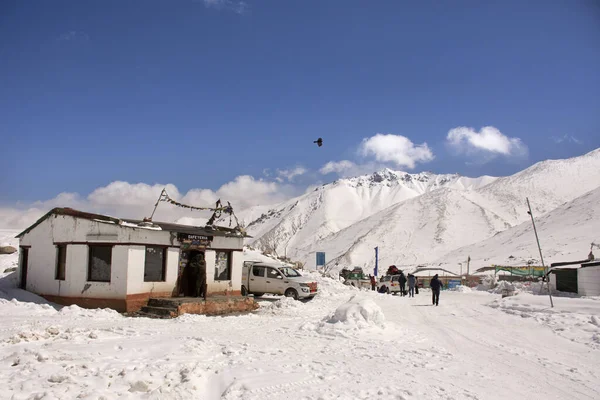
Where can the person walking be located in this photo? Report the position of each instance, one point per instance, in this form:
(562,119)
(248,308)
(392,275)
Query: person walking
(411,285)
(402,281)
(373,283)
(435,285)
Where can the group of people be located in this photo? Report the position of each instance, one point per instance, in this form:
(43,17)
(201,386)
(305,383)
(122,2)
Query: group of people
(413,288)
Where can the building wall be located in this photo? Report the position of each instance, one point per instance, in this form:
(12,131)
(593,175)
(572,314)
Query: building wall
(135,281)
(127,268)
(233,286)
(77,234)
(588,281)
(553,281)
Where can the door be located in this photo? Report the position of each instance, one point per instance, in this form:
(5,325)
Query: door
(274,281)
(257,279)
(566,280)
(24,264)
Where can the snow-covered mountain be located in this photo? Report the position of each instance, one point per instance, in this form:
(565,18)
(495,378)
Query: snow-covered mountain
(300,222)
(414,218)
(565,234)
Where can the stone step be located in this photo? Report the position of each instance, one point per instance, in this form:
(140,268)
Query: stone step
(162,311)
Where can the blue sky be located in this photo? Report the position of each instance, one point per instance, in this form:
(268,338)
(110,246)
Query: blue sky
(196,93)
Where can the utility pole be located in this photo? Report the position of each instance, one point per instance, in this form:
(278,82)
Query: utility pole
(541,257)
(376,261)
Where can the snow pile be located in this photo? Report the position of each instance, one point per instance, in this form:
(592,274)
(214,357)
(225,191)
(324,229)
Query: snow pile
(284,306)
(359,312)
(502,287)
(578,320)
(461,289)
(75,311)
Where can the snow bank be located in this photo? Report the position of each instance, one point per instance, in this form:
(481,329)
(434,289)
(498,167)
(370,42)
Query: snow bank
(577,319)
(461,289)
(74,311)
(359,312)
(286,306)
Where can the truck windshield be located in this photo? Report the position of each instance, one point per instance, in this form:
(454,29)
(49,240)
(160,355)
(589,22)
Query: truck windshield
(289,272)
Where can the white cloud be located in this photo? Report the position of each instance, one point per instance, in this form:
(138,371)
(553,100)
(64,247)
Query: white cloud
(489,140)
(338,167)
(137,200)
(290,174)
(567,138)
(238,7)
(397,149)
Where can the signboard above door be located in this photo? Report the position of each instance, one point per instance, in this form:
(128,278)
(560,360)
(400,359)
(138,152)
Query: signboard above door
(189,241)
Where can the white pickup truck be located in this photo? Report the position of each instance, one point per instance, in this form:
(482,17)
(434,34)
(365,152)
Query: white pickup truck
(259,278)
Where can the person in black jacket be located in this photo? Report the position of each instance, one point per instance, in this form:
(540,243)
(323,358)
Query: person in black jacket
(402,281)
(435,285)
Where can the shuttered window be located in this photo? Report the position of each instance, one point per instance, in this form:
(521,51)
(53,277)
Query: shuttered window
(155,264)
(100,260)
(61,262)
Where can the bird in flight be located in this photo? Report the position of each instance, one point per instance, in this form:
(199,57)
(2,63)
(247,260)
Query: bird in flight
(319,142)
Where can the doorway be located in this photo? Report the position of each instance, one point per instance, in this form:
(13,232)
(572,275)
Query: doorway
(24,264)
(189,276)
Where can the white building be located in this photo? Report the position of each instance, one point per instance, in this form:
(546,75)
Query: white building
(73,257)
(581,277)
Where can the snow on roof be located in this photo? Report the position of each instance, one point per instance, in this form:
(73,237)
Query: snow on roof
(138,224)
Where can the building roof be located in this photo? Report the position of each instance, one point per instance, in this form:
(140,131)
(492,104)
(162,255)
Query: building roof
(437,270)
(166,226)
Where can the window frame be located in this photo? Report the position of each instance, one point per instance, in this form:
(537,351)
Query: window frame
(89,272)
(277,273)
(264,270)
(58,261)
(229,265)
(164,263)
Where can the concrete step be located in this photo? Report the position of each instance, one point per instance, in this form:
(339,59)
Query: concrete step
(164,303)
(162,311)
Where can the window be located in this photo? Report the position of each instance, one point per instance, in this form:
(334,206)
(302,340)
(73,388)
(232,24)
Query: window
(258,271)
(289,272)
(223,266)
(272,273)
(100,260)
(155,264)
(61,262)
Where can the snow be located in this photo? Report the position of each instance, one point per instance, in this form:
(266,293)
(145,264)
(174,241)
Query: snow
(343,344)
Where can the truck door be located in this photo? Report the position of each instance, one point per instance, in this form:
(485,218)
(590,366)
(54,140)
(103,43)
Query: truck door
(257,279)
(274,281)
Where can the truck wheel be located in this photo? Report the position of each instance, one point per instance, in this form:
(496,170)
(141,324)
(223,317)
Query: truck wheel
(244,291)
(258,294)
(291,293)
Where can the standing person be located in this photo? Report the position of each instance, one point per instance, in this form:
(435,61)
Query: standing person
(435,285)
(199,265)
(411,285)
(373,283)
(402,284)
(416,285)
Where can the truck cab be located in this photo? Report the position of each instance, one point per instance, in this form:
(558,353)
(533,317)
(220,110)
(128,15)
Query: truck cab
(259,278)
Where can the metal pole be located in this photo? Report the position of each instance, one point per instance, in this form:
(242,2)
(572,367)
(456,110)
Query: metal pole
(376,261)
(156,205)
(540,250)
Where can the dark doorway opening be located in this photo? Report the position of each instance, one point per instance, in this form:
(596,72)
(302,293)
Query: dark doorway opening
(189,277)
(24,264)
(566,280)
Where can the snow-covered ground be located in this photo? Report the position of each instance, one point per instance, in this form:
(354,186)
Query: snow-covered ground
(344,344)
